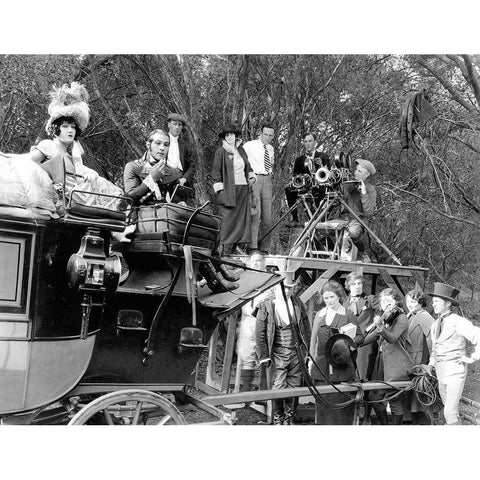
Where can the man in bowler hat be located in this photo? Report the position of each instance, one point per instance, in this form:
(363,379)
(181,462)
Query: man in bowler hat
(449,334)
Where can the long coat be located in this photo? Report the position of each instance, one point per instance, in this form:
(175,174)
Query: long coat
(321,332)
(419,335)
(265,326)
(365,306)
(393,345)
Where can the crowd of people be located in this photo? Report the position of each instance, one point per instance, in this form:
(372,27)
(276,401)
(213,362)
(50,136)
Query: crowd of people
(353,338)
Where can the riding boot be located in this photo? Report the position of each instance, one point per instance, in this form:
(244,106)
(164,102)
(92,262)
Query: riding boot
(397,419)
(246,378)
(382,417)
(278,411)
(226,274)
(289,411)
(215,280)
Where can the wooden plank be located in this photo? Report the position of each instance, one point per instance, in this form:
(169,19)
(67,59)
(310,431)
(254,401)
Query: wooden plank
(318,284)
(228,355)
(419,279)
(391,282)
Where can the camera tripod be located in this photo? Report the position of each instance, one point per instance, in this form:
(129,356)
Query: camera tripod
(305,243)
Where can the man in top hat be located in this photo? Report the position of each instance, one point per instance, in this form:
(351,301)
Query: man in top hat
(308,163)
(180,155)
(362,199)
(449,334)
(275,344)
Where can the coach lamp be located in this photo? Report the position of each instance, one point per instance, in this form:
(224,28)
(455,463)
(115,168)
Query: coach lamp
(91,273)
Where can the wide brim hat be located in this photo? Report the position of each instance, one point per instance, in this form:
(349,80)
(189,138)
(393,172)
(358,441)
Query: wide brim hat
(230,128)
(340,349)
(177,117)
(447,292)
(366,164)
(69,101)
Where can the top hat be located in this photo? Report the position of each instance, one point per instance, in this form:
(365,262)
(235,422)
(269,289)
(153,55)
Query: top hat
(340,349)
(230,128)
(447,292)
(366,164)
(177,117)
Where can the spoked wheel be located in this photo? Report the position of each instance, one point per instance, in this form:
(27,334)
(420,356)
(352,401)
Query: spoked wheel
(129,407)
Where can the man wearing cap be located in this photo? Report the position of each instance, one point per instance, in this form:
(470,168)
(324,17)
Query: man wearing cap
(449,334)
(308,164)
(275,344)
(362,199)
(261,157)
(180,155)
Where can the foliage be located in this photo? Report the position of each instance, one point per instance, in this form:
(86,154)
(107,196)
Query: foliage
(429,205)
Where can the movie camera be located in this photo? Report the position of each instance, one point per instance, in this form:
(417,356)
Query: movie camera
(330,178)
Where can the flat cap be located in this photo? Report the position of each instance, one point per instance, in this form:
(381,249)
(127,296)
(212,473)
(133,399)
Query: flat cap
(177,117)
(367,164)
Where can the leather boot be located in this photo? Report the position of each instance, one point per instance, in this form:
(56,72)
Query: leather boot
(215,280)
(226,274)
(382,417)
(278,411)
(289,411)
(397,419)
(246,378)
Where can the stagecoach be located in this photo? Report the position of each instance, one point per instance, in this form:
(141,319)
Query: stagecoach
(78,345)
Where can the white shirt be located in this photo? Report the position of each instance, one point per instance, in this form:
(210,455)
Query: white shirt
(173,157)
(256,155)
(450,345)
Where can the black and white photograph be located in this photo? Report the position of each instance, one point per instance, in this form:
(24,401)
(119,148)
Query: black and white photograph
(224,237)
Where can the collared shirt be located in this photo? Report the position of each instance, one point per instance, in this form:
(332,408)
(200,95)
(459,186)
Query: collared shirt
(256,155)
(450,344)
(173,157)
(281,310)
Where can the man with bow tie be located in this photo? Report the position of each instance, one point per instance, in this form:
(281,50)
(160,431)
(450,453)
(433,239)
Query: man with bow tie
(308,163)
(449,334)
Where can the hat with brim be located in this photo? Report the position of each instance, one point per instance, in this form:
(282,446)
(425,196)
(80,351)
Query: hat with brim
(446,292)
(230,128)
(177,117)
(366,164)
(340,349)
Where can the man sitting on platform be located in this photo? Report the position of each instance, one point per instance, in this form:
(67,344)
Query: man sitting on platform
(362,199)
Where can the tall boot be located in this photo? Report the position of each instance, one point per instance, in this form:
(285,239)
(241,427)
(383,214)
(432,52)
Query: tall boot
(382,417)
(246,378)
(226,274)
(397,419)
(289,411)
(278,411)
(215,280)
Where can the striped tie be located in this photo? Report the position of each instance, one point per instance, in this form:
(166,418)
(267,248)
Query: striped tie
(266,160)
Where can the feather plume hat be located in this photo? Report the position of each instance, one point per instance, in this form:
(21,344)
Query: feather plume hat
(69,101)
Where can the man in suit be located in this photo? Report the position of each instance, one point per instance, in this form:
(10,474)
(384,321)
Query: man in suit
(180,155)
(275,344)
(308,163)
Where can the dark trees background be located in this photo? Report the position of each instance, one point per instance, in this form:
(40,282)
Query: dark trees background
(429,204)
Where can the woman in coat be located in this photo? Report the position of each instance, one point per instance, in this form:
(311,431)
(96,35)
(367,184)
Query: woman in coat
(394,362)
(328,321)
(420,322)
(232,175)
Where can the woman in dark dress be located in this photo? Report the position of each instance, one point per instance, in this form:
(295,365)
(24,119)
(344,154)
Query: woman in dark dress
(329,321)
(232,174)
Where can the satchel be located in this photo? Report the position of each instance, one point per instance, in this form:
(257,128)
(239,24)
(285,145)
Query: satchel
(253,202)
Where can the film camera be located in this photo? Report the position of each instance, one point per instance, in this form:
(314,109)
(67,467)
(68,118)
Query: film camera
(329,178)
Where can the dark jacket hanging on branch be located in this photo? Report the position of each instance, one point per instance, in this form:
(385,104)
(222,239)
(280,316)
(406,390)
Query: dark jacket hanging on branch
(415,112)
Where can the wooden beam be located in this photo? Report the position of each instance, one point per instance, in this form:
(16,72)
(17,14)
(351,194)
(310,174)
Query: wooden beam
(228,355)
(387,278)
(318,284)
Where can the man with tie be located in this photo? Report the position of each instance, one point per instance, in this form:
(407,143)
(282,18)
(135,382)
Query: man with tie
(449,334)
(261,157)
(180,157)
(308,163)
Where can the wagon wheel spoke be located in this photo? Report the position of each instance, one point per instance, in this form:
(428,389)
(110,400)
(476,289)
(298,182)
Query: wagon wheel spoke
(108,417)
(164,420)
(138,411)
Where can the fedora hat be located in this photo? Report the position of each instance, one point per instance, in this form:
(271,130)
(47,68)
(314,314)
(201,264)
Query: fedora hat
(340,349)
(447,292)
(177,117)
(230,128)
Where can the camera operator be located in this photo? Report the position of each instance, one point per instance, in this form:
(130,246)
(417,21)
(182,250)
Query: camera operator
(362,199)
(308,163)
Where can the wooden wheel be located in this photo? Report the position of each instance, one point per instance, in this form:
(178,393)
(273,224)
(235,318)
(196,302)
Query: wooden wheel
(129,407)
